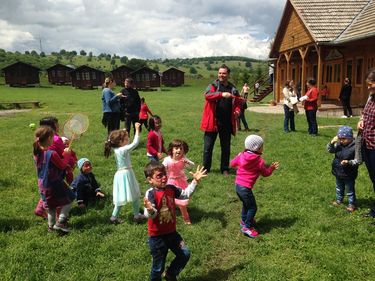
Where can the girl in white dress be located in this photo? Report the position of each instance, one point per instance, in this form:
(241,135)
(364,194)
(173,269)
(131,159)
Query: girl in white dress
(125,185)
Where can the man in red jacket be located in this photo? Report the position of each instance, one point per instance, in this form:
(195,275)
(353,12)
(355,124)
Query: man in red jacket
(221,109)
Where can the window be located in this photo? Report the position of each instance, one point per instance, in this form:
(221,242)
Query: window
(87,75)
(59,73)
(294,74)
(93,75)
(315,71)
(329,74)
(359,72)
(137,77)
(337,73)
(349,69)
(78,77)
(147,77)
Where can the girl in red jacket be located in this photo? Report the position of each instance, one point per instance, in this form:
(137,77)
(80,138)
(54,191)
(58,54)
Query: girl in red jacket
(155,143)
(143,114)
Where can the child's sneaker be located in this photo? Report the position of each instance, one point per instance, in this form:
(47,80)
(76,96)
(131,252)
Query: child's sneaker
(115,220)
(50,229)
(350,208)
(250,232)
(336,203)
(62,226)
(242,223)
(139,218)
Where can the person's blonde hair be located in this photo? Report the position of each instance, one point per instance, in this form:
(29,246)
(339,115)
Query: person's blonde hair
(107,80)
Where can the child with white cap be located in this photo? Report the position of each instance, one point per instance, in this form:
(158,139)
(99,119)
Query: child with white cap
(250,165)
(344,166)
(85,184)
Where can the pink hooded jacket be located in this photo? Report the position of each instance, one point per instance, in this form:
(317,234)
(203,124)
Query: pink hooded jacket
(249,166)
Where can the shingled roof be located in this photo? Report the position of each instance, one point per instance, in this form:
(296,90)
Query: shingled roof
(328,19)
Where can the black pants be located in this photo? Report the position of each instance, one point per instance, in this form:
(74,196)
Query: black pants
(143,122)
(131,119)
(209,142)
(311,121)
(347,109)
(111,120)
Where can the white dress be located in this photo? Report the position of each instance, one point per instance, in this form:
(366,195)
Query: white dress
(125,185)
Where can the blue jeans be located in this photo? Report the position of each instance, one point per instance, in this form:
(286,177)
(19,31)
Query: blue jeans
(159,246)
(369,158)
(153,158)
(289,117)
(311,121)
(340,190)
(249,205)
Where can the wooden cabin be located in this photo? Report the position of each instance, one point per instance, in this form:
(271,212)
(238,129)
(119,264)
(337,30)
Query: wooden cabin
(21,74)
(85,77)
(173,77)
(146,78)
(121,73)
(59,74)
(326,40)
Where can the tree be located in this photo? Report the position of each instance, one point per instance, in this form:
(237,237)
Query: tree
(42,54)
(156,67)
(62,52)
(192,70)
(248,64)
(124,59)
(34,53)
(82,53)
(136,63)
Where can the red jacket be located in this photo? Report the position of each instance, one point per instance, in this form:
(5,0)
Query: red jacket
(209,122)
(155,143)
(312,101)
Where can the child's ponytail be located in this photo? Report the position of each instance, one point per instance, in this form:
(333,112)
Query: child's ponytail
(42,134)
(114,140)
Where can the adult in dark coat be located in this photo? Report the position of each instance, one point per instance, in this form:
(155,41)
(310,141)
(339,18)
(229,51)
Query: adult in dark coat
(345,93)
(130,104)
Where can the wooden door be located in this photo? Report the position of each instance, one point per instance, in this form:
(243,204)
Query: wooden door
(333,78)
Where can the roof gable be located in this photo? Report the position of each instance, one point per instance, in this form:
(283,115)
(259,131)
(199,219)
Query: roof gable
(327,19)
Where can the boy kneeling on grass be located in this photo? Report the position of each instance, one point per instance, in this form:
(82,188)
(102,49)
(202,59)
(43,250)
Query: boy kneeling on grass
(85,184)
(160,209)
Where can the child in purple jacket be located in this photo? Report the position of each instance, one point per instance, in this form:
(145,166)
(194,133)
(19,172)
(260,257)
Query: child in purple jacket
(250,166)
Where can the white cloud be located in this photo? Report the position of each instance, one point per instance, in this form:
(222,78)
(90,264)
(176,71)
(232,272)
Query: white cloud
(143,28)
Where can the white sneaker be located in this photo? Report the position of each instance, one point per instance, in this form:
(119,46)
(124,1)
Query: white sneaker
(351,116)
(344,116)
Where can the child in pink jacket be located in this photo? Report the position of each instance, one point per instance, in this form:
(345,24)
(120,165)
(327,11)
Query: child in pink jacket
(250,165)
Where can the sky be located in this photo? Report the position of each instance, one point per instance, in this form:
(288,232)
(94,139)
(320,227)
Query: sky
(144,29)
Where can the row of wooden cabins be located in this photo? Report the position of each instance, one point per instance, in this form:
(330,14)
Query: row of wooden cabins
(86,77)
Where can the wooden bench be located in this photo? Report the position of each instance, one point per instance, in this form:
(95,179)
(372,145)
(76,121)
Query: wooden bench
(18,104)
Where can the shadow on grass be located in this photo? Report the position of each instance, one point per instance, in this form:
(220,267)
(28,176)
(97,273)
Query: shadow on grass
(217,274)
(13,224)
(91,221)
(265,224)
(364,203)
(197,215)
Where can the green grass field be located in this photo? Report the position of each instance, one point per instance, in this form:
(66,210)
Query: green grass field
(302,236)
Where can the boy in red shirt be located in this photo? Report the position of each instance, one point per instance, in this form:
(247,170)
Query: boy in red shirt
(160,209)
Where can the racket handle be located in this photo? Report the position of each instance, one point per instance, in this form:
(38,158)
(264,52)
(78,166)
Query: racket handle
(71,141)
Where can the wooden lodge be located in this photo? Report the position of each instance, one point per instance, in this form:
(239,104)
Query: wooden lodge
(85,77)
(121,73)
(21,74)
(327,40)
(146,78)
(173,77)
(59,74)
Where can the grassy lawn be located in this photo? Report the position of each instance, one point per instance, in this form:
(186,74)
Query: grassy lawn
(302,236)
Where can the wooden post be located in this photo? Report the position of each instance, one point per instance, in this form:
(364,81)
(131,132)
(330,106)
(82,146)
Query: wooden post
(303,54)
(287,57)
(319,78)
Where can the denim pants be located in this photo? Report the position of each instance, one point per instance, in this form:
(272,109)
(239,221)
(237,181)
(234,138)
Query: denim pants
(311,121)
(340,190)
(249,205)
(159,246)
(289,117)
(225,135)
(369,158)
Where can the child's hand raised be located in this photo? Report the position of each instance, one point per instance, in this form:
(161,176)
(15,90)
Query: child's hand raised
(199,173)
(137,126)
(344,162)
(147,204)
(334,140)
(275,165)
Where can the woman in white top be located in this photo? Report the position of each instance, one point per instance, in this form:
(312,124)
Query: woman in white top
(290,106)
